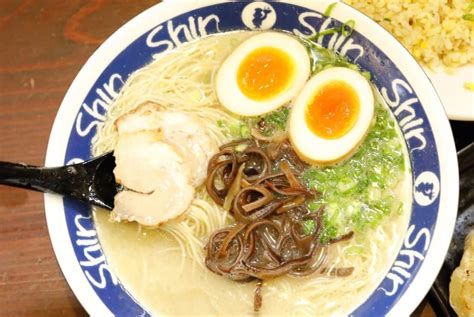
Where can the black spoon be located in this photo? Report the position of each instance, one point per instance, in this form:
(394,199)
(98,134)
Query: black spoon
(92,181)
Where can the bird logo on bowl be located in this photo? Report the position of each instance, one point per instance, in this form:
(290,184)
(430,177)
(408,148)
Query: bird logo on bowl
(426,188)
(259,16)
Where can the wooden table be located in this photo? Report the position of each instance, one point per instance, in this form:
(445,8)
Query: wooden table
(43,44)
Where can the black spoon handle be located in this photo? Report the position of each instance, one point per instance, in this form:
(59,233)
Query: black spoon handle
(73,180)
(92,181)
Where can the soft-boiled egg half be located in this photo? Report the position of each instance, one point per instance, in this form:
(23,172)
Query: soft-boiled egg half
(331,116)
(263,73)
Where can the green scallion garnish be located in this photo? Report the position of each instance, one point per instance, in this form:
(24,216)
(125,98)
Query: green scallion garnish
(220,124)
(347,28)
(329,9)
(326,32)
(367,75)
(322,33)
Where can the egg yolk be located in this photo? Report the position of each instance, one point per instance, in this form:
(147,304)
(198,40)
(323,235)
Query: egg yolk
(264,73)
(333,111)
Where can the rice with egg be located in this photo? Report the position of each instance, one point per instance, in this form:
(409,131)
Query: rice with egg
(437,32)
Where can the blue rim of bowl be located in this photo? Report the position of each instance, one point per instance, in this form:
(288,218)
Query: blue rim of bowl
(404,286)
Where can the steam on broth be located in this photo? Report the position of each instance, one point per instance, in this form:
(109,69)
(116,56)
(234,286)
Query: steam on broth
(363,198)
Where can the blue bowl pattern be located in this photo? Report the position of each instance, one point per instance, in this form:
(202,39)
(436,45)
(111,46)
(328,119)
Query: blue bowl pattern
(242,15)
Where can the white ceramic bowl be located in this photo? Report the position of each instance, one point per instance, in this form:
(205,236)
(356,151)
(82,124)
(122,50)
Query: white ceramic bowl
(396,75)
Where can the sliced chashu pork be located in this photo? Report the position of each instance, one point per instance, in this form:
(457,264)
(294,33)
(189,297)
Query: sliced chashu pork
(144,117)
(171,198)
(155,177)
(142,159)
(183,131)
(160,156)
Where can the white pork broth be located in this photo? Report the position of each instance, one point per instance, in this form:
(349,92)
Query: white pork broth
(163,268)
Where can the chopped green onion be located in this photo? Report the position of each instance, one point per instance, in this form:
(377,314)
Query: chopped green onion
(308,227)
(367,75)
(350,25)
(234,130)
(325,32)
(310,39)
(245,131)
(353,67)
(387,19)
(329,9)
(357,197)
(468,17)
(314,205)
(329,229)
(346,29)
(220,124)
(278,118)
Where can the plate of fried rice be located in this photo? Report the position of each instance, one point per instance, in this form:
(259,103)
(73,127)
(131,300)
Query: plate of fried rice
(440,35)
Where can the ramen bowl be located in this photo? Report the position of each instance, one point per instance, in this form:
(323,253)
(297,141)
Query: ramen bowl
(399,79)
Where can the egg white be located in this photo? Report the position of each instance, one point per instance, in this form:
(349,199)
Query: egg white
(317,150)
(226,85)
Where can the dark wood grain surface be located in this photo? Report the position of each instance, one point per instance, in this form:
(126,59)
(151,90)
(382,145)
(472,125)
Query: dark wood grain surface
(43,44)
